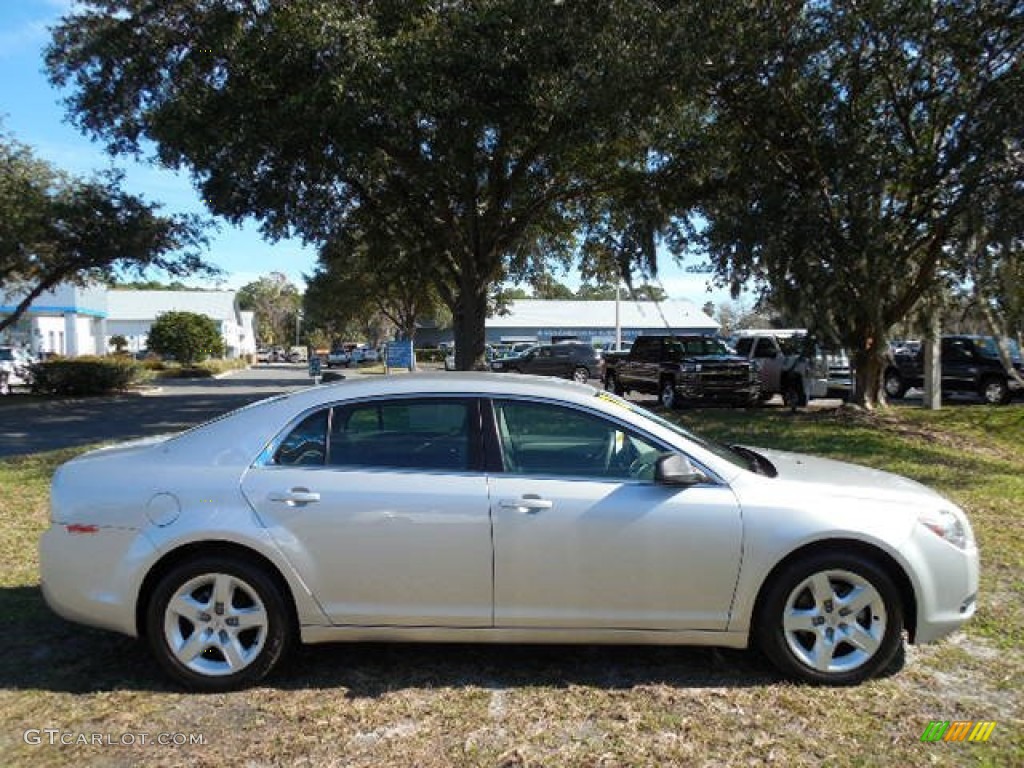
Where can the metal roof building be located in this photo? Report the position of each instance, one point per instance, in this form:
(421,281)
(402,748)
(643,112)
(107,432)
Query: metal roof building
(590,321)
(131,313)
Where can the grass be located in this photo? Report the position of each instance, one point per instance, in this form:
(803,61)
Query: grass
(442,705)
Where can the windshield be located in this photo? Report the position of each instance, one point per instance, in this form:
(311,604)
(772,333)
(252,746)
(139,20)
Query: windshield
(987,347)
(676,349)
(719,449)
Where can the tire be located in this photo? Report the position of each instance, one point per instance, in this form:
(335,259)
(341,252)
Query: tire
(580,375)
(894,385)
(183,607)
(611,383)
(667,395)
(793,395)
(994,390)
(795,623)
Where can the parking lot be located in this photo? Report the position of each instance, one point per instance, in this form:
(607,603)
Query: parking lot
(31,424)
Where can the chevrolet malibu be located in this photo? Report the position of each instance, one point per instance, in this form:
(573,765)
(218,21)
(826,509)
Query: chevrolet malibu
(494,508)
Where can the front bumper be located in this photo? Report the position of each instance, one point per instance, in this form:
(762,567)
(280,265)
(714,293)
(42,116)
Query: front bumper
(698,386)
(945,581)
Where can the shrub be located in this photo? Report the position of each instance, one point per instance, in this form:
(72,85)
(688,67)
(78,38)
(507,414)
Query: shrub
(188,336)
(430,355)
(119,343)
(85,375)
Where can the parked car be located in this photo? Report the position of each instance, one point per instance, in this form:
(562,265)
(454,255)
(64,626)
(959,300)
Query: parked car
(455,507)
(339,356)
(681,368)
(365,354)
(15,368)
(491,352)
(970,364)
(569,360)
(791,364)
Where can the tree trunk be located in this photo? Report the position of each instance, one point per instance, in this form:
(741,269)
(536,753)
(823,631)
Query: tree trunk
(933,363)
(869,364)
(469,317)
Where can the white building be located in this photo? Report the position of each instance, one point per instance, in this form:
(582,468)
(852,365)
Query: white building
(68,320)
(594,322)
(132,314)
(72,320)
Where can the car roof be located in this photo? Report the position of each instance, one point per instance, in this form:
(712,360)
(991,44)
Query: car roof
(470,383)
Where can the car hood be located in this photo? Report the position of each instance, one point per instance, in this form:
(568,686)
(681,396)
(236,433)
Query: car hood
(838,479)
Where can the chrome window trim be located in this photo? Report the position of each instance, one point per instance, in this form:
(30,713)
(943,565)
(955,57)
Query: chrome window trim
(714,477)
(265,458)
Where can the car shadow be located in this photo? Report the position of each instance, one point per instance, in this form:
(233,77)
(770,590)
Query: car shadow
(44,652)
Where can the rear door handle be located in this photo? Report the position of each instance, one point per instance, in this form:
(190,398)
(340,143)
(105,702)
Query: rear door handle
(294,497)
(526,505)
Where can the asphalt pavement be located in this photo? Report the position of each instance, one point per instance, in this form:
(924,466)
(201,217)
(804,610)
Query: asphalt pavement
(30,424)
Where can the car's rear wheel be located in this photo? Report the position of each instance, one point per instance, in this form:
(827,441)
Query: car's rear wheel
(218,623)
(580,374)
(995,391)
(894,384)
(832,618)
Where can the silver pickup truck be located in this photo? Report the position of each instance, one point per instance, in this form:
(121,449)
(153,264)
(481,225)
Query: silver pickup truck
(789,364)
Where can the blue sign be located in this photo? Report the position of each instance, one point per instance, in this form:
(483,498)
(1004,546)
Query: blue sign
(399,354)
(314,367)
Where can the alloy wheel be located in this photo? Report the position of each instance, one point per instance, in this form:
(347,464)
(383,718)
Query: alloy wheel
(216,624)
(834,621)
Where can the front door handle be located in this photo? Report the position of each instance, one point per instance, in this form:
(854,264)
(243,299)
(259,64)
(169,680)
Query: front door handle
(294,497)
(527,505)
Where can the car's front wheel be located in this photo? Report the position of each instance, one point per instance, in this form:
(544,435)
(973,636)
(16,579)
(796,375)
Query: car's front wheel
(218,623)
(611,384)
(832,618)
(667,396)
(580,374)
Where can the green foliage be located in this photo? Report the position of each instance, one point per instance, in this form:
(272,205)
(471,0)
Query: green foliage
(275,302)
(54,227)
(468,136)
(845,151)
(119,343)
(430,355)
(187,336)
(85,375)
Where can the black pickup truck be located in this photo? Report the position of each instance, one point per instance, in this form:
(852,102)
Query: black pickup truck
(682,368)
(969,364)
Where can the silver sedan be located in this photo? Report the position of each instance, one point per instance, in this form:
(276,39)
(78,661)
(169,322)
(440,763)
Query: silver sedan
(492,508)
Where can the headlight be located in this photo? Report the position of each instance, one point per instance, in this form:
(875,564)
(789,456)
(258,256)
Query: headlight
(689,367)
(951,526)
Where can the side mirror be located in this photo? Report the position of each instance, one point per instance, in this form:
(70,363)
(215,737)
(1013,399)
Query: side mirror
(676,469)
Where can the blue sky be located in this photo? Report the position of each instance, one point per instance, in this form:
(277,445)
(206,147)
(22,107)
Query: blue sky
(31,110)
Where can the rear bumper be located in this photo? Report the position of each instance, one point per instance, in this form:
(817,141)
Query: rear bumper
(89,578)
